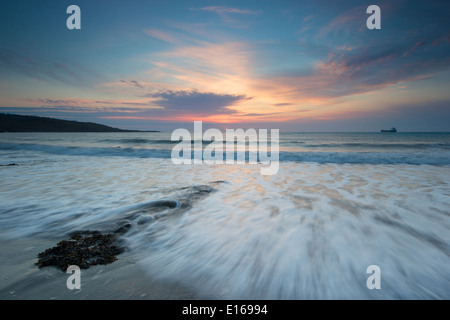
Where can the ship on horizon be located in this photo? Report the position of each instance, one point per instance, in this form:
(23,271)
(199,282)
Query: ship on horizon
(390,130)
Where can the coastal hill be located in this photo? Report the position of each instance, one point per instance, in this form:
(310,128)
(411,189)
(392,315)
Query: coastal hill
(20,123)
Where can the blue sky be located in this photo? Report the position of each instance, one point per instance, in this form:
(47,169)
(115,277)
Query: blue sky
(291,65)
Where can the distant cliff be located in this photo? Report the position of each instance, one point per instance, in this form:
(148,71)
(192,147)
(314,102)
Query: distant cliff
(19,123)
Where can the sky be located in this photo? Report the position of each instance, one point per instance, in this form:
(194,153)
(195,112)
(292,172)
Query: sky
(301,66)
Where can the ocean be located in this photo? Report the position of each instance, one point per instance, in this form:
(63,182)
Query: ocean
(339,203)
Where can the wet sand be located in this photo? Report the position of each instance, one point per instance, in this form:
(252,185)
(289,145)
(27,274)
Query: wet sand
(22,279)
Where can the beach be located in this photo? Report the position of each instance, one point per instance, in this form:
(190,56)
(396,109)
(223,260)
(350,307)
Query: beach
(337,205)
(124,280)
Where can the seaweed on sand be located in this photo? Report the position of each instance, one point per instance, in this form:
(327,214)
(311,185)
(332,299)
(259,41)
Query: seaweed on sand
(84,249)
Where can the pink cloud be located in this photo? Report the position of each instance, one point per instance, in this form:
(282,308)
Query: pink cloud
(226,10)
(347,20)
(418,44)
(163,36)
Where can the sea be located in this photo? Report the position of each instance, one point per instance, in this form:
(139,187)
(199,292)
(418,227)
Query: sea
(338,205)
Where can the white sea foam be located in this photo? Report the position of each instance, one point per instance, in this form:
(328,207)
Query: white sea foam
(338,204)
(308,232)
(311,232)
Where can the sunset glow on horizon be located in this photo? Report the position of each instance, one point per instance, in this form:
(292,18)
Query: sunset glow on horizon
(292,65)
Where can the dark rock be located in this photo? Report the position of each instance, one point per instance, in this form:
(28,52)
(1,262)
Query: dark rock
(84,249)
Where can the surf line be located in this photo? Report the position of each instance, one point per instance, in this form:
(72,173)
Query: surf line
(235,147)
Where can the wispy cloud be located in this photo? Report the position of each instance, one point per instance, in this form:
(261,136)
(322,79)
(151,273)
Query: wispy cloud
(348,21)
(165,36)
(226,10)
(231,15)
(71,111)
(133,83)
(43,68)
